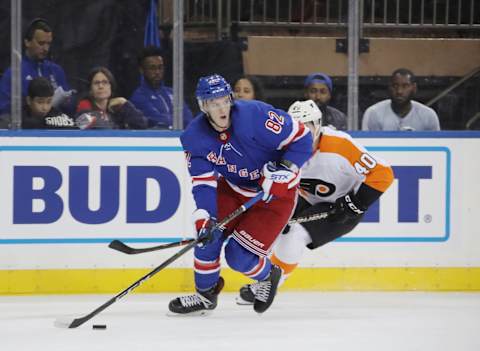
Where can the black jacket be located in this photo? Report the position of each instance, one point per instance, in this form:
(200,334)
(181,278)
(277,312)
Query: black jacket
(53,120)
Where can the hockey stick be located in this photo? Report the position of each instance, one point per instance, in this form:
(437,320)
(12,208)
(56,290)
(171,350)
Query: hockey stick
(122,247)
(76,322)
(309,218)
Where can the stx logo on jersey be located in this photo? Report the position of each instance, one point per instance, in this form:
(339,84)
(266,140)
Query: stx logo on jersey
(280,178)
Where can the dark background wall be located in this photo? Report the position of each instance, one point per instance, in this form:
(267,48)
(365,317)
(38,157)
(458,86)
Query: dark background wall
(86,33)
(110,33)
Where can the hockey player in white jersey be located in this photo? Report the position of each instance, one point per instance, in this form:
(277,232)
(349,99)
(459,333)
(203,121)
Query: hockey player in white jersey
(341,178)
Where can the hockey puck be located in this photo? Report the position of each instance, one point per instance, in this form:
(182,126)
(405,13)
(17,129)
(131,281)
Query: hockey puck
(99,326)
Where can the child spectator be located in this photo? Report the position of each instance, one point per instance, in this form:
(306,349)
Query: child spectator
(38,112)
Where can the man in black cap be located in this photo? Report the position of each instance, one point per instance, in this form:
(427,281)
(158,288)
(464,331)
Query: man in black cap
(318,87)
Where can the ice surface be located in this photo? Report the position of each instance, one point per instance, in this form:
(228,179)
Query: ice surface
(296,321)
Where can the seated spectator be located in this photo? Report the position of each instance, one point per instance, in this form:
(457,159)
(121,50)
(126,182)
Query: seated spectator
(248,88)
(38,112)
(152,97)
(319,87)
(101,110)
(37,41)
(400,112)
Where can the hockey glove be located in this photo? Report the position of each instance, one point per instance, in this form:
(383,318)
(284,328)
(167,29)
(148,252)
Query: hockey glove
(205,227)
(277,180)
(346,208)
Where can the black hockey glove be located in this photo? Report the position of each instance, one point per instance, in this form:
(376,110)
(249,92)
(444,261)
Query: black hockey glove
(345,208)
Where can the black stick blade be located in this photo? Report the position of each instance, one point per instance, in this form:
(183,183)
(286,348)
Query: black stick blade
(122,247)
(119,246)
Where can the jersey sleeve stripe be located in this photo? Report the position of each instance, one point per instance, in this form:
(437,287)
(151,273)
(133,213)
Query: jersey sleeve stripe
(290,137)
(298,130)
(379,177)
(196,179)
(205,176)
(208,179)
(212,183)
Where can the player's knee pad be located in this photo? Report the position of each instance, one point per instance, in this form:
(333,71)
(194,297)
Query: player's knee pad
(239,258)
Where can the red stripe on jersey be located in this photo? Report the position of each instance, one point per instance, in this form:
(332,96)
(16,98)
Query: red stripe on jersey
(301,132)
(196,179)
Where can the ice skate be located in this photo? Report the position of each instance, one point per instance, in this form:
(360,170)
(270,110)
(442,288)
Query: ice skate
(246,295)
(200,303)
(266,290)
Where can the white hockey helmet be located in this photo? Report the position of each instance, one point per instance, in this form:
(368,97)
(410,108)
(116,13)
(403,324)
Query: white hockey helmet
(307,111)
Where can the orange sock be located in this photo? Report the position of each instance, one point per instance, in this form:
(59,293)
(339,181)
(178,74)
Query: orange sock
(286,267)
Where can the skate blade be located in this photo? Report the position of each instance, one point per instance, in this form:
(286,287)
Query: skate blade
(203,313)
(242,302)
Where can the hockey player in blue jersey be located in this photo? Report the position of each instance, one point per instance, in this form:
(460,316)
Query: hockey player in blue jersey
(234,150)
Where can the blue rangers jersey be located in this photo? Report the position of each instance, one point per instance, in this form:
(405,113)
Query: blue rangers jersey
(258,133)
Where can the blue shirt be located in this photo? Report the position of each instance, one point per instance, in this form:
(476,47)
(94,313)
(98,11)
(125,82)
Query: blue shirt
(30,70)
(157,105)
(259,133)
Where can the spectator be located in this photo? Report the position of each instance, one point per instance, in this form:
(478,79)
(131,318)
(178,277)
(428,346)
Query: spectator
(38,112)
(319,88)
(152,97)
(400,112)
(101,110)
(37,41)
(248,88)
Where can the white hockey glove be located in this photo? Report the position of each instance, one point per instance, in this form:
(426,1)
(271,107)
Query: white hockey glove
(278,180)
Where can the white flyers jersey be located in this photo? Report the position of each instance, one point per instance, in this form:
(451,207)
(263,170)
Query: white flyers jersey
(339,165)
